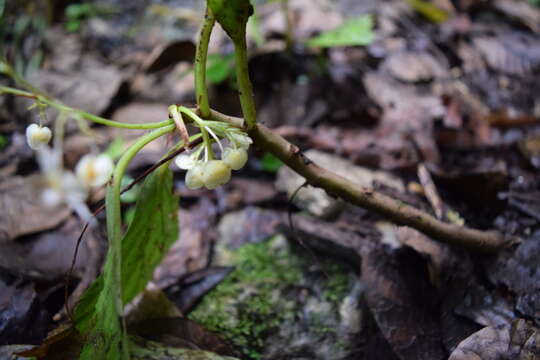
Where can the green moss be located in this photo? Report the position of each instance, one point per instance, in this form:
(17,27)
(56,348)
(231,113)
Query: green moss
(259,270)
(338,284)
(263,292)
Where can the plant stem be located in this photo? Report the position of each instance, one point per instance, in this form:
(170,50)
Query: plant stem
(200,64)
(393,209)
(244,84)
(83,114)
(192,115)
(112,282)
(122,164)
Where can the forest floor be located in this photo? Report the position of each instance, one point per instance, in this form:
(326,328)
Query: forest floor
(441,111)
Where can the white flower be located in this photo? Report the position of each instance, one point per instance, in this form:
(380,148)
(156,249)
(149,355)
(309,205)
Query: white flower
(62,185)
(194,177)
(215,173)
(37,136)
(235,158)
(94,170)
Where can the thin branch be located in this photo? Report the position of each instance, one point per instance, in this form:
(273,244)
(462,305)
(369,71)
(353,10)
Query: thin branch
(395,210)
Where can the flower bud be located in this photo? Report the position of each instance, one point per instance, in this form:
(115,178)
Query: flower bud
(241,139)
(216,173)
(94,170)
(235,158)
(37,136)
(185,161)
(194,177)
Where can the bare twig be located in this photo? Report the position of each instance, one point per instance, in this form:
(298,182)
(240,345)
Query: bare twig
(395,210)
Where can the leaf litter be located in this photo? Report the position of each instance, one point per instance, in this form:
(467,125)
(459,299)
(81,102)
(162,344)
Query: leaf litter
(459,97)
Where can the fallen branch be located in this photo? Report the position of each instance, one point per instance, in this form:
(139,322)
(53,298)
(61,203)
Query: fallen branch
(395,210)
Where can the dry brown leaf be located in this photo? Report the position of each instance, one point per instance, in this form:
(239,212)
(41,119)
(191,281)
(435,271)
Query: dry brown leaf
(522,10)
(510,53)
(190,252)
(521,340)
(406,113)
(410,66)
(22,210)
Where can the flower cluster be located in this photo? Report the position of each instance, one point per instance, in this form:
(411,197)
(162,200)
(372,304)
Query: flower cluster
(63,186)
(210,172)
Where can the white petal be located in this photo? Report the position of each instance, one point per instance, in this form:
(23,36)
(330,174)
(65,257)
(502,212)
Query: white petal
(185,161)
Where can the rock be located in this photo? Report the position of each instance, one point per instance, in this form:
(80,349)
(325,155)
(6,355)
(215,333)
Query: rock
(315,200)
(277,304)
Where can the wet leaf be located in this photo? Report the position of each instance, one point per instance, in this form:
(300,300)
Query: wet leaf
(357,31)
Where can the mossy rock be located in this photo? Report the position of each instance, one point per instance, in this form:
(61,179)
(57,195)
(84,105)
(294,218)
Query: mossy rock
(280,301)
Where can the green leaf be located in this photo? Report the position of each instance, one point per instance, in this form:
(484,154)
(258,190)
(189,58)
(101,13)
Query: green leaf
(254,27)
(357,31)
(429,10)
(2,7)
(115,149)
(143,246)
(270,163)
(232,15)
(153,231)
(219,68)
(77,11)
(3,141)
(132,194)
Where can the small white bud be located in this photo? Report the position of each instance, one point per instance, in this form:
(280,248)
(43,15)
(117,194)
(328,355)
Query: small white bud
(37,136)
(185,162)
(194,177)
(241,140)
(94,170)
(216,173)
(235,158)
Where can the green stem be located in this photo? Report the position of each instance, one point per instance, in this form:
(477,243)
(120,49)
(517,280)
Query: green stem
(83,114)
(193,115)
(122,164)
(200,64)
(112,283)
(244,84)
(207,143)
